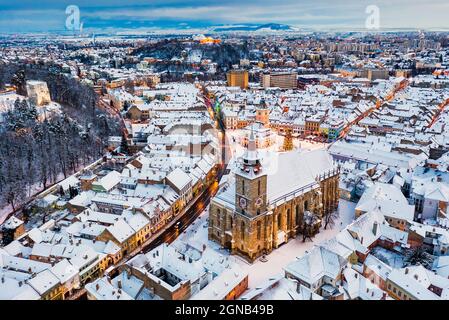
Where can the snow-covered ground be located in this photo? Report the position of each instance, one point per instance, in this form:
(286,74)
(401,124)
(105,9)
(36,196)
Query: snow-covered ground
(393,259)
(237,150)
(261,271)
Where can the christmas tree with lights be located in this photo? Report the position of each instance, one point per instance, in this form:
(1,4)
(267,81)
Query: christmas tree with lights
(288,141)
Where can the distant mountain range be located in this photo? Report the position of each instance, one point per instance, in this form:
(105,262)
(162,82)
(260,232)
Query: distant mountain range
(254,27)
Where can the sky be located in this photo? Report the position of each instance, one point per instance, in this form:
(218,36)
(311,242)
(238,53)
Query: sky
(18,16)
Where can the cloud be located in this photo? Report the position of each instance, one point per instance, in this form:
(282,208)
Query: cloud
(46,15)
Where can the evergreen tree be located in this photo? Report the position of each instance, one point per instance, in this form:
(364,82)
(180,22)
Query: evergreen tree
(124,145)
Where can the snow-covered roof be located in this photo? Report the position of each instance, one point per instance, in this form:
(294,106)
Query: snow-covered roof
(359,287)
(388,199)
(109,181)
(414,281)
(44,281)
(222,285)
(121,230)
(316,264)
(179,178)
(12,289)
(12,223)
(101,289)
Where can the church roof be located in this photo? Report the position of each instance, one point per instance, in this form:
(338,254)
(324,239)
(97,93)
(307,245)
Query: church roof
(289,173)
(295,170)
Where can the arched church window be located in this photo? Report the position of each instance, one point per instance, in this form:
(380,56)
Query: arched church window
(297,215)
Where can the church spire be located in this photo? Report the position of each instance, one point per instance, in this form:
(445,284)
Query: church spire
(252,141)
(251,156)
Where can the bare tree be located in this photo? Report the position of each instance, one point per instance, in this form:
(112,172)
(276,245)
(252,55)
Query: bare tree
(331,218)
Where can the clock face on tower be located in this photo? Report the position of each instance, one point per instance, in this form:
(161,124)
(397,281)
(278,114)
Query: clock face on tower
(242,203)
(259,202)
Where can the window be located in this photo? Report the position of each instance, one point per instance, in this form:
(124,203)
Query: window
(243,186)
(242,230)
(259,230)
(258,188)
(297,214)
(306,205)
(279,221)
(288,219)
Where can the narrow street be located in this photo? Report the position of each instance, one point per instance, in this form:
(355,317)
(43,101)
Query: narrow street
(377,106)
(183,220)
(440,110)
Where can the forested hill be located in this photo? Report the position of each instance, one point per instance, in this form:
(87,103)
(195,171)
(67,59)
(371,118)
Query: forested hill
(38,153)
(224,54)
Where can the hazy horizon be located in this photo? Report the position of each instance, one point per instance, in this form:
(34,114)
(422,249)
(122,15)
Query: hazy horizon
(116,16)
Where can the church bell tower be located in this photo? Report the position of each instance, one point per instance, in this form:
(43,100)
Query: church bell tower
(251,182)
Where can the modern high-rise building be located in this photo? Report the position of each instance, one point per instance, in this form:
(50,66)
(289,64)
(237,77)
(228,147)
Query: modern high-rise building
(283,80)
(238,78)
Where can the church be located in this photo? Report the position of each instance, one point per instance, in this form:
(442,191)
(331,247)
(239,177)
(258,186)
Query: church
(272,197)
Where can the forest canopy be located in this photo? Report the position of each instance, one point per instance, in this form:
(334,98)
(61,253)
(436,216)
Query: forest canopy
(37,153)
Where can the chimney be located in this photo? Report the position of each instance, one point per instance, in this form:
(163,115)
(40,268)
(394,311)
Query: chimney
(375,228)
(119,284)
(97,286)
(406,270)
